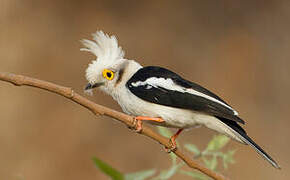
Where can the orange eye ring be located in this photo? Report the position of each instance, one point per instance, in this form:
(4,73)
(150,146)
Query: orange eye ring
(108,74)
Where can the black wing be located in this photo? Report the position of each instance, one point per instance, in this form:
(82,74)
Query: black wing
(207,102)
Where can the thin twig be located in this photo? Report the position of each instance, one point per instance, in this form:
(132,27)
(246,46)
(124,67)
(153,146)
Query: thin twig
(20,80)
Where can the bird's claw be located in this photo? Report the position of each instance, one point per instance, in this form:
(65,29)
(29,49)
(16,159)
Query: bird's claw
(173,146)
(137,125)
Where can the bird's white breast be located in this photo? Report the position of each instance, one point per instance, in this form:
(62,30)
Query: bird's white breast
(174,117)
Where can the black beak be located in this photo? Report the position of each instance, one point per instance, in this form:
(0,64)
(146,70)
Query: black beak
(92,86)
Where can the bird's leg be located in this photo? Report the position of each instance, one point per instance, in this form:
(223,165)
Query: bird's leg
(173,142)
(139,119)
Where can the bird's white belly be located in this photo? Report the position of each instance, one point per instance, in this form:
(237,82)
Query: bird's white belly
(173,117)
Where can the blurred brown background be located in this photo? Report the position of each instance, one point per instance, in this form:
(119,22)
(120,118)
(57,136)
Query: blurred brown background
(238,49)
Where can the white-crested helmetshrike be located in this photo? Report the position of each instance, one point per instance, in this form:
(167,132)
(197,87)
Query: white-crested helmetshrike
(160,96)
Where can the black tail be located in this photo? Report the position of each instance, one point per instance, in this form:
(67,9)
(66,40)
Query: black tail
(241,133)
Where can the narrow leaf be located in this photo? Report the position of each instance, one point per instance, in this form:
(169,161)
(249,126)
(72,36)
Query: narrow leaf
(167,133)
(142,175)
(213,163)
(108,170)
(225,163)
(195,175)
(230,155)
(192,148)
(206,161)
(164,131)
(166,174)
(217,143)
(173,158)
(228,158)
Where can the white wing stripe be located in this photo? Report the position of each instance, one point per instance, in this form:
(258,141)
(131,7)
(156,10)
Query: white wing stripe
(170,85)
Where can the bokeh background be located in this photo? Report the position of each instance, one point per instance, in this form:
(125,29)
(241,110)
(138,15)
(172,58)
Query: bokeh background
(238,49)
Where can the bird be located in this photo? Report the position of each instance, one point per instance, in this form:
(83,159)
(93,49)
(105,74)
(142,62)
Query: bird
(160,96)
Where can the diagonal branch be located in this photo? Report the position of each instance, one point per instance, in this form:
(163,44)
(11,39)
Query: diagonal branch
(97,109)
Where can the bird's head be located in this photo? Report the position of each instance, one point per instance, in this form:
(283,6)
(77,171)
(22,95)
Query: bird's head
(106,70)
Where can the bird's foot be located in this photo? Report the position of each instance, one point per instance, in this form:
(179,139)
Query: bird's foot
(138,125)
(173,146)
(138,122)
(172,142)
(145,118)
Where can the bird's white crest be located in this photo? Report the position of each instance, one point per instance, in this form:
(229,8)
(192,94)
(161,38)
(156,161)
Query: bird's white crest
(107,51)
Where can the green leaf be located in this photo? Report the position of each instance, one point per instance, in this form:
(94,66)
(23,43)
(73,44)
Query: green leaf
(217,143)
(192,148)
(108,170)
(164,131)
(213,163)
(205,161)
(173,158)
(166,174)
(167,133)
(225,164)
(142,175)
(228,158)
(195,175)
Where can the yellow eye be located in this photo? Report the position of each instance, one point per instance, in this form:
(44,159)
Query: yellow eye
(108,74)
